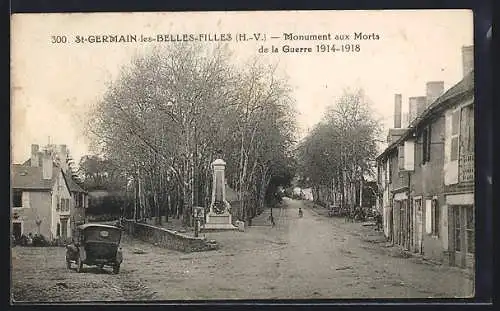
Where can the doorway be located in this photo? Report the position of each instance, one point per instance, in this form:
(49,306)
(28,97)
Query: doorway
(17,229)
(463,235)
(418,225)
(64,228)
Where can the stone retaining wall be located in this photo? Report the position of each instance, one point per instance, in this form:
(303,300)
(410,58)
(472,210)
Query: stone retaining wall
(167,238)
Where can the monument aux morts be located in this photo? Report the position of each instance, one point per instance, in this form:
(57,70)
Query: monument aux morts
(219,215)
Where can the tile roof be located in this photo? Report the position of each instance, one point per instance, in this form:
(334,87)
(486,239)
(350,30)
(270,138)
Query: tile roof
(464,87)
(72,185)
(29,177)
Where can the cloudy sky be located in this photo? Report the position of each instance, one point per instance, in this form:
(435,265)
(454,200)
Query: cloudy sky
(54,83)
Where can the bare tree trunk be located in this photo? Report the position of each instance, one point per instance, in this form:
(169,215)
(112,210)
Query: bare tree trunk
(361,192)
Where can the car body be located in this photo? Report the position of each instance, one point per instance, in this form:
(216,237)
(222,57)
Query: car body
(95,244)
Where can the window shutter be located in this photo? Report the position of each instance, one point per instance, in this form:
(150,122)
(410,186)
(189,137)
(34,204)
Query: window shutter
(409,155)
(25,199)
(447,140)
(428,216)
(401,158)
(455,132)
(389,170)
(452,121)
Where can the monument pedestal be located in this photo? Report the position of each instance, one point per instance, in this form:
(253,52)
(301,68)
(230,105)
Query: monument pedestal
(218,222)
(221,221)
(219,216)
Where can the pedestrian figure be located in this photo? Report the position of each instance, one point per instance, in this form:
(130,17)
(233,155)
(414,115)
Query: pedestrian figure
(30,239)
(271,219)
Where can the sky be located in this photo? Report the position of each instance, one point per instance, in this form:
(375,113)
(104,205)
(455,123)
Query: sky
(54,84)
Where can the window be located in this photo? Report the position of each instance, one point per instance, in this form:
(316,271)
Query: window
(418,205)
(65,205)
(17,198)
(426,145)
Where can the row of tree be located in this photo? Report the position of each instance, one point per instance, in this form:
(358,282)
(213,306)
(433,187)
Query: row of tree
(172,111)
(337,155)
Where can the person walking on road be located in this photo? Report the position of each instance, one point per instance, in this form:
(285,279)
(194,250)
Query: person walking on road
(271,219)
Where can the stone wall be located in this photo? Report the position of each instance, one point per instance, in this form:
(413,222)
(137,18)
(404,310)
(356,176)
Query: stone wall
(167,238)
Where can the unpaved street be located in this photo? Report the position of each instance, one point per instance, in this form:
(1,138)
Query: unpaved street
(310,257)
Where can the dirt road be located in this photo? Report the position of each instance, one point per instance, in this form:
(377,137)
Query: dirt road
(309,257)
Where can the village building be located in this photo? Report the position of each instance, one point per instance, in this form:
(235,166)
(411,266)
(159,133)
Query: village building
(45,198)
(426,174)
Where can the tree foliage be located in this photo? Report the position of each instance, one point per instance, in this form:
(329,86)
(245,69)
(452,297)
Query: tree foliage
(340,150)
(163,121)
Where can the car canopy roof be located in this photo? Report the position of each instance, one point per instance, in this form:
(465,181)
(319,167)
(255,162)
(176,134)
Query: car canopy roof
(85,226)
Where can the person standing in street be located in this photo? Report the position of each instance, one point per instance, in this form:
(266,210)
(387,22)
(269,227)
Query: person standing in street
(271,219)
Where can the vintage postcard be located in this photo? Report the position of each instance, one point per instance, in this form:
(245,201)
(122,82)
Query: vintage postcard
(242,155)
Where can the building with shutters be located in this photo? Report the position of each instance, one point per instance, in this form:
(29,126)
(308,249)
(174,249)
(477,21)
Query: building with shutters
(45,198)
(426,174)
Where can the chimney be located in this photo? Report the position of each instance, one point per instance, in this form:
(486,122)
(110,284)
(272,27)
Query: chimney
(34,159)
(47,166)
(412,109)
(434,89)
(63,158)
(405,120)
(397,111)
(421,104)
(467,59)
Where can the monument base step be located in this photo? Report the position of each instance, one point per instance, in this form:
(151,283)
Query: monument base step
(218,227)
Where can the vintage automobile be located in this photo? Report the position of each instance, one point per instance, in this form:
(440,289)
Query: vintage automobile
(95,244)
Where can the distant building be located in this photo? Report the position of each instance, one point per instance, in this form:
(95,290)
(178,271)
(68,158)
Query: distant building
(45,198)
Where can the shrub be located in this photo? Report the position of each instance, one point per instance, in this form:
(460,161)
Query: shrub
(22,240)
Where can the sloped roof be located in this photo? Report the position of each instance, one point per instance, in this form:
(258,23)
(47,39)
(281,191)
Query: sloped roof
(72,185)
(456,92)
(29,177)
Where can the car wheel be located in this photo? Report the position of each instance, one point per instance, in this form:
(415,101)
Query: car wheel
(68,263)
(79,265)
(116,269)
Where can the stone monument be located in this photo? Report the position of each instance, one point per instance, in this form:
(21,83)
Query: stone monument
(219,215)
